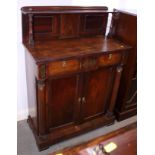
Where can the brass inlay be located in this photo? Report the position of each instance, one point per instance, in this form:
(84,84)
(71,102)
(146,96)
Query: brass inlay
(89,63)
(43,71)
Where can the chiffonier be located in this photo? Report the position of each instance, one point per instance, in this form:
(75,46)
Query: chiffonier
(124,28)
(73,70)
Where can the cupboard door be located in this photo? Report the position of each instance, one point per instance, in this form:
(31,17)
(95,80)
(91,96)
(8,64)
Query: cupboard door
(62,97)
(97,89)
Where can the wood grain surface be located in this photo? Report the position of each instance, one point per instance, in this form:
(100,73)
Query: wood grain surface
(60,49)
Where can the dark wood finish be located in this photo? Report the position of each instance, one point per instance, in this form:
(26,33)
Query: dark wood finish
(69,25)
(73,48)
(115,89)
(93,24)
(63,9)
(42,23)
(125,138)
(62,100)
(95,96)
(63,67)
(124,28)
(63,133)
(110,59)
(46,26)
(41,107)
(76,73)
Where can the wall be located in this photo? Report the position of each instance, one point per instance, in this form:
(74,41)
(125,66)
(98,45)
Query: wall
(22,106)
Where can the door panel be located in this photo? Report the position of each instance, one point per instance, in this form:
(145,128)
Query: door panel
(69,25)
(93,24)
(62,100)
(98,85)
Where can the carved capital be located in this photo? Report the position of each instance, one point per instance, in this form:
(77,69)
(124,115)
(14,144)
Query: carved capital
(42,71)
(116,15)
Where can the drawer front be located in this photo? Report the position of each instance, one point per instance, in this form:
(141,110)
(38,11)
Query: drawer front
(110,59)
(62,67)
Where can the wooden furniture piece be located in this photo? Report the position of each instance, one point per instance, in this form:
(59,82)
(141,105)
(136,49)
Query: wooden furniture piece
(124,28)
(73,71)
(125,139)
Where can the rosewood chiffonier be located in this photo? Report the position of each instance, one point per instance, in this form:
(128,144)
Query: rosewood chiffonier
(124,28)
(73,70)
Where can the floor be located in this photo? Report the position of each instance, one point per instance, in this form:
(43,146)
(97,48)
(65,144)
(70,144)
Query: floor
(27,146)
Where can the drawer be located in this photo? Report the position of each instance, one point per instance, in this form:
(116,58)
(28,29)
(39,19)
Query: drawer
(62,67)
(109,59)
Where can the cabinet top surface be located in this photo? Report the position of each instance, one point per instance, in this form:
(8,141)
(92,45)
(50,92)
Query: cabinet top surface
(63,9)
(69,48)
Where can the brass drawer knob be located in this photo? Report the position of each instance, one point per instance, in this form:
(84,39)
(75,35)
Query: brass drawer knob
(110,56)
(79,99)
(64,63)
(83,100)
